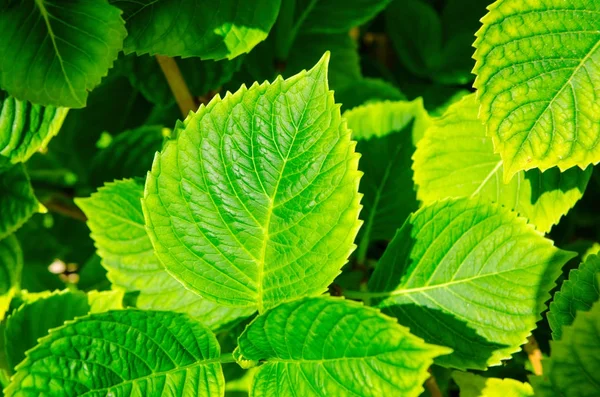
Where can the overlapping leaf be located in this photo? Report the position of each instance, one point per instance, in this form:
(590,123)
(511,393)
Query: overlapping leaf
(365,90)
(316,15)
(457,159)
(472,385)
(537,70)
(123,353)
(17,201)
(469,275)
(11,266)
(333,347)
(257,200)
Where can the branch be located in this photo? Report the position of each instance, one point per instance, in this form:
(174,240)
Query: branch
(534,354)
(179,88)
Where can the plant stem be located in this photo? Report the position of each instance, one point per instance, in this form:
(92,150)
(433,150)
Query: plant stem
(61,207)
(432,387)
(179,88)
(226,358)
(534,354)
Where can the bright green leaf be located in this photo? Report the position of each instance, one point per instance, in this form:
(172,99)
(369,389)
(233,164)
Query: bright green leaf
(197,28)
(123,353)
(117,223)
(537,70)
(576,294)
(103,301)
(257,200)
(25,127)
(456,159)
(11,266)
(334,347)
(17,201)
(469,275)
(472,385)
(53,52)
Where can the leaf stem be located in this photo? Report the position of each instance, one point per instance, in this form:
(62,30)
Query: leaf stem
(432,387)
(534,354)
(227,358)
(178,86)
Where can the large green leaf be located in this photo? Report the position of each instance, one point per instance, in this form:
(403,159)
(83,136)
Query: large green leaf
(457,159)
(32,321)
(123,353)
(472,385)
(334,347)
(576,294)
(17,201)
(537,70)
(25,127)
(197,28)
(574,365)
(11,266)
(117,223)
(257,200)
(469,275)
(54,52)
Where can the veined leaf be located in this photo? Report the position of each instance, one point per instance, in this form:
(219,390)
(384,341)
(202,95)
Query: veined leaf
(334,347)
(17,201)
(257,202)
(457,159)
(574,365)
(117,224)
(366,90)
(472,385)
(25,127)
(103,301)
(576,294)
(54,52)
(123,353)
(32,321)
(197,28)
(469,275)
(316,15)
(11,266)
(537,68)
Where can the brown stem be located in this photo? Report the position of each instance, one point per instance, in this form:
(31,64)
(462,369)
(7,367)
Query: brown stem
(179,88)
(534,354)
(65,209)
(432,387)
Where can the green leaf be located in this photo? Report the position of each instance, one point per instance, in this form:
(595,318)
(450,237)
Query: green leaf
(123,353)
(365,90)
(457,159)
(574,365)
(32,321)
(576,294)
(25,127)
(333,347)
(103,301)
(472,385)
(17,201)
(537,68)
(469,275)
(196,28)
(11,266)
(53,53)
(336,16)
(257,200)
(117,223)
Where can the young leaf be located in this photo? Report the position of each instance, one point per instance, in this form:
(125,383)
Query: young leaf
(472,385)
(257,200)
(54,53)
(32,321)
(25,127)
(469,275)
(456,159)
(17,201)
(574,365)
(117,224)
(334,347)
(537,75)
(576,294)
(11,266)
(197,28)
(123,353)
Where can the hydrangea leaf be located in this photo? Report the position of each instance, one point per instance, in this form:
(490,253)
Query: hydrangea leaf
(17,201)
(573,368)
(25,127)
(316,15)
(537,68)
(257,202)
(365,90)
(330,346)
(472,385)
(196,28)
(32,321)
(11,266)
(457,159)
(123,353)
(470,275)
(103,301)
(54,53)
(117,224)
(576,294)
